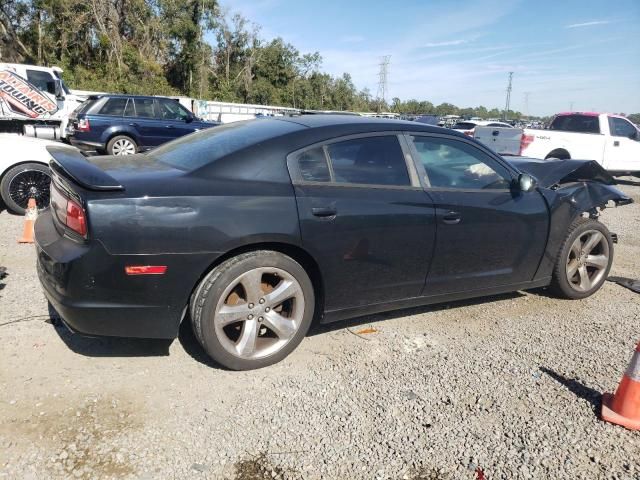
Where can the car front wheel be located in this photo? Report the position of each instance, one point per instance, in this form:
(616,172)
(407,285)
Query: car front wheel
(584,261)
(253,309)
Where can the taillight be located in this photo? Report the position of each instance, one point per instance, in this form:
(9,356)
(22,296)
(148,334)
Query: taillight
(69,212)
(83,125)
(76,219)
(469,133)
(525,141)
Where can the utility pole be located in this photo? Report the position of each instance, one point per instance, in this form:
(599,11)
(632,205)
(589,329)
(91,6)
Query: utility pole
(571,106)
(506,108)
(526,104)
(382,80)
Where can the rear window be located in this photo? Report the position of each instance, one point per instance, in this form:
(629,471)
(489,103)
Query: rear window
(113,106)
(196,150)
(464,126)
(576,123)
(85,106)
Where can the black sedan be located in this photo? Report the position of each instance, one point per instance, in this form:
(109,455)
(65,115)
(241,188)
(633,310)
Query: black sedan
(255,229)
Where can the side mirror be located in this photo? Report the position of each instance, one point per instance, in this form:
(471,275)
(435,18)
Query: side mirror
(54,87)
(189,119)
(526,182)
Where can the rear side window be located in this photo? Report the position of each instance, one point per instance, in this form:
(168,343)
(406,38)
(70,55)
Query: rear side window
(369,161)
(114,107)
(144,107)
(312,165)
(621,128)
(576,123)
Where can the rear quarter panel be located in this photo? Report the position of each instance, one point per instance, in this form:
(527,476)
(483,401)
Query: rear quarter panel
(583,146)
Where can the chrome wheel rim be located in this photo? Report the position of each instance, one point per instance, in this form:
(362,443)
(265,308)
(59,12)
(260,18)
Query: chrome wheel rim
(30,184)
(587,261)
(123,147)
(259,313)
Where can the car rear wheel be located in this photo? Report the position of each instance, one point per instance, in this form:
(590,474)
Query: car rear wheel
(253,310)
(25,181)
(121,145)
(584,261)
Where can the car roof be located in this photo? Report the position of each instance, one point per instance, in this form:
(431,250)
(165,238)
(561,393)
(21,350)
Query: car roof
(367,123)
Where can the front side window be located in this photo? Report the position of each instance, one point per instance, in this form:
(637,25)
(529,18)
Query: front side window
(172,110)
(144,107)
(621,128)
(39,79)
(371,161)
(456,164)
(114,107)
(312,165)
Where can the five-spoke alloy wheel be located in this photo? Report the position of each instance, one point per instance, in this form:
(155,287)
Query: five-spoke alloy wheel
(253,310)
(584,261)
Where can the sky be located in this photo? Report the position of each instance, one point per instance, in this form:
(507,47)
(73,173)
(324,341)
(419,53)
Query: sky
(582,55)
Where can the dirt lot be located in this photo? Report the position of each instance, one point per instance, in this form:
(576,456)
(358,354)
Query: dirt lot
(501,388)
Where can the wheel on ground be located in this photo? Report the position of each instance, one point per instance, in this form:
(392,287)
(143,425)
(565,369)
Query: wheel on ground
(121,145)
(25,181)
(253,310)
(584,260)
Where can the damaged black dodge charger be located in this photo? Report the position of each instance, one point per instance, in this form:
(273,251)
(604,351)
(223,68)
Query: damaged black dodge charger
(252,230)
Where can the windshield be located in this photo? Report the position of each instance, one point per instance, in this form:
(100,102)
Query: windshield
(201,148)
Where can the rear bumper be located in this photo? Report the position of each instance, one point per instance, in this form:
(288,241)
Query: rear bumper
(90,291)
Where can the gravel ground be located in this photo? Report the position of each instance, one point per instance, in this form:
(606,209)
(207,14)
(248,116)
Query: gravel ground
(501,388)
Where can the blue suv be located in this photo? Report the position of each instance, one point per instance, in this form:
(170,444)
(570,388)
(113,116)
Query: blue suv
(128,124)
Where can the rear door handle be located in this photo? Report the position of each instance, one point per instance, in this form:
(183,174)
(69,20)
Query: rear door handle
(169,126)
(451,218)
(324,212)
(133,124)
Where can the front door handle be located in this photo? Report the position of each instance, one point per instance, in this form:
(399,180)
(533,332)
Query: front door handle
(324,212)
(451,218)
(169,126)
(133,124)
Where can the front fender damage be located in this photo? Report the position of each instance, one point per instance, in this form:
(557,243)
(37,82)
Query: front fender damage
(569,201)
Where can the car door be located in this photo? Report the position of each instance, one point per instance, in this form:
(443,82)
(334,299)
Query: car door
(488,234)
(176,120)
(365,218)
(148,128)
(622,148)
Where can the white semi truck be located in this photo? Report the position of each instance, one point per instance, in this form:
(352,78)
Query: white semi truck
(34,101)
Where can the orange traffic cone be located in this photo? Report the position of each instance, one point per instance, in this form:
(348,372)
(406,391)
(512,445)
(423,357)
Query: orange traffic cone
(623,408)
(29,220)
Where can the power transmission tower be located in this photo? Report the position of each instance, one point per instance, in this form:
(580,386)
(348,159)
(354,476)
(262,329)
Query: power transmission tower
(506,108)
(526,104)
(382,80)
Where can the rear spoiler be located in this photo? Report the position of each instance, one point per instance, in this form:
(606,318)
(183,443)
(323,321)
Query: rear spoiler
(70,163)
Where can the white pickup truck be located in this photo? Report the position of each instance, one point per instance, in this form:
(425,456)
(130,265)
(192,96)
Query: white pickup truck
(611,140)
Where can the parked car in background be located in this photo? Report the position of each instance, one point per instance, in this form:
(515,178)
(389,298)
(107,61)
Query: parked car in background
(468,126)
(253,229)
(24,171)
(611,140)
(128,124)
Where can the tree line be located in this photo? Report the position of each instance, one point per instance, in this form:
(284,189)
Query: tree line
(184,47)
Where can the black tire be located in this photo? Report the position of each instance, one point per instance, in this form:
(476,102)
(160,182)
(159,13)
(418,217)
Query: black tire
(118,138)
(34,174)
(210,290)
(560,285)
